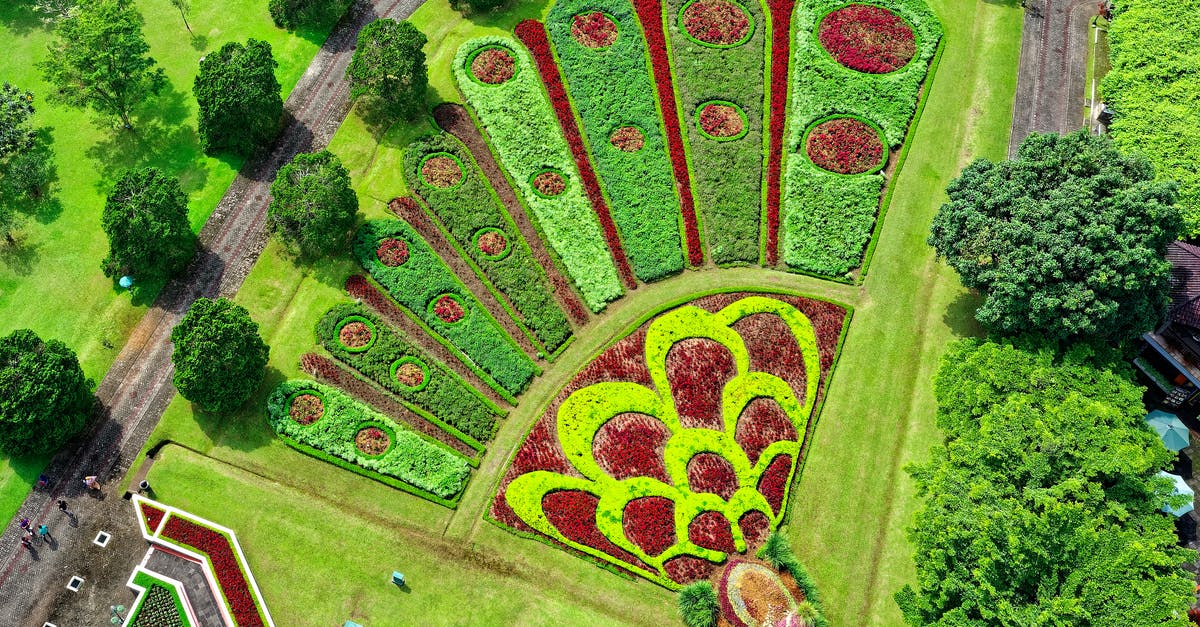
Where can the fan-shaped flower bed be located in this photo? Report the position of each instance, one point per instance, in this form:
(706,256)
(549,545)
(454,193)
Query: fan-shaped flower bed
(593,30)
(410,373)
(845,146)
(392,252)
(448,309)
(720,23)
(372,441)
(867,38)
(441,170)
(356,334)
(628,139)
(493,65)
(549,184)
(722,121)
(492,243)
(306,409)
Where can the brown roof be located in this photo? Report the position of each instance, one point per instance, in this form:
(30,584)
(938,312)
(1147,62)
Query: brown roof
(1185,283)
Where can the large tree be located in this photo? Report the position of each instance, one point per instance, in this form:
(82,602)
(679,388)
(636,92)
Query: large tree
(313,206)
(1042,505)
(1067,240)
(44,396)
(238,94)
(100,59)
(219,357)
(294,14)
(389,67)
(146,221)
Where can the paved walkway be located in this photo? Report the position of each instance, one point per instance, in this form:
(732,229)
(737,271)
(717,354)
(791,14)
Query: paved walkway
(1050,89)
(138,387)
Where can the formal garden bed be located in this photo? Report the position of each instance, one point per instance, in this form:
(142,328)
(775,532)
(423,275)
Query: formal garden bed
(161,601)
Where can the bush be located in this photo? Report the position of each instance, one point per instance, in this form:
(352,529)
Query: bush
(44,397)
(698,605)
(219,358)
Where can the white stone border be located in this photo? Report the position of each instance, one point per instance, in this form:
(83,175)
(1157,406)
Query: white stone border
(154,537)
(180,591)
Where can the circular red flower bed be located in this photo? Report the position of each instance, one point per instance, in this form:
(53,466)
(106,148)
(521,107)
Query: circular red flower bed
(306,409)
(845,146)
(867,38)
(441,171)
(593,30)
(722,120)
(372,441)
(392,252)
(492,243)
(549,183)
(355,334)
(493,66)
(628,139)
(410,375)
(448,309)
(716,22)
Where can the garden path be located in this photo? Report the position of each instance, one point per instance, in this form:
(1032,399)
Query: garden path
(137,389)
(1050,89)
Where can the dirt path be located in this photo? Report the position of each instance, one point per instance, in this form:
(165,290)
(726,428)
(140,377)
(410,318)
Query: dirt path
(1050,89)
(138,387)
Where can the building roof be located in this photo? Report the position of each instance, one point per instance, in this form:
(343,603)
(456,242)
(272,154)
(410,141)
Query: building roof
(1185,283)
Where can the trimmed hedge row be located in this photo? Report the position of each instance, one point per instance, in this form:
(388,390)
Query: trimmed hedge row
(423,464)
(442,394)
(611,88)
(471,207)
(727,176)
(421,280)
(828,218)
(527,139)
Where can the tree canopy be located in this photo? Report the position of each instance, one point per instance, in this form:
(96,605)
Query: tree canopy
(26,162)
(1067,240)
(219,358)
(293,14)
(146,221)
(1154,88)
(100,59)
(239,98)
(44,397)
(389,67)
(1042,503)
(313,206)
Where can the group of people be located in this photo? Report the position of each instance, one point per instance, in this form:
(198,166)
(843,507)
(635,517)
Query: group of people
(30,533)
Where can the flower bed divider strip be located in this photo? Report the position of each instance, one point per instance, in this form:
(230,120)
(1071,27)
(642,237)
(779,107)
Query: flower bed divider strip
(532,33)
(781,33)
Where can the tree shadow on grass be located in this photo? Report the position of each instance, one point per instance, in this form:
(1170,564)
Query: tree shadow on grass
(960,315)
(199,42)
(20,18)
(19,255)
(246,429)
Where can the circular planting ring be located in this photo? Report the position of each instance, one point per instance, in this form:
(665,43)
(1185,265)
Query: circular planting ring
(441,170)
(410,372)
(627,139)
(492,244)
(845,145)
(372,441)
(720,120)
(867,38)
(356,334)
(306,408)
(448,308)
(492,65)
(752,594)
(392,252)
(716,23)
(594,30)
(548,183)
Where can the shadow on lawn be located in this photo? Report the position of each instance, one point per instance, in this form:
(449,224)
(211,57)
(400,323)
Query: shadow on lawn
(20,18)
(960,315)
(247,428)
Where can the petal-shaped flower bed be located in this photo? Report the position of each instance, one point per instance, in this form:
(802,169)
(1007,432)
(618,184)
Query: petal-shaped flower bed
(867,38)
(392,252)
(627,139)
(306,409)
(720,120)
(845,146)
(593,30)
(492,65)
(719,23)
(637,462)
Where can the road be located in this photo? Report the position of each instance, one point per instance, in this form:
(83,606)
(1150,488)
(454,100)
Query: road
(138,388)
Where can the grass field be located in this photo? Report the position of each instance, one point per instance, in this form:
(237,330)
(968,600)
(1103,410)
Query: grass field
(52,283)
(324,552)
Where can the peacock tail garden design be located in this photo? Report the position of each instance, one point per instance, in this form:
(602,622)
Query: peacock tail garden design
(599,150)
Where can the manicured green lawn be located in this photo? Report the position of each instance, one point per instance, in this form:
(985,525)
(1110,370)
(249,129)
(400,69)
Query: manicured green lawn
(53,283)
(331,538)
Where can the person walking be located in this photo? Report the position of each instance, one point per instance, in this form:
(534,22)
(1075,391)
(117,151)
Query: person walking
(24,523)
(91,482)
(44,533)
(62,506)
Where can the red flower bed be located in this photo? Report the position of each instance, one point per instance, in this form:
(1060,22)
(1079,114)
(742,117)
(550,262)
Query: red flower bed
(721,120)
(773,483)
(868,38)
(493,66)
(649,522)
(631,445)
(650,14)
(410,374)
(717,22)
(711,473)
(404,206)
(712,530)
(372,441)
(492,243)
(761,424)
(224,563)
(698,370)
(441,172)
(756,528)
(593,30)
(781,20)
(306,409)
(845,146)
(549,183)
(392,252)
(573,513)
(448,309)
(628,139)
(533,34)
(686,569)
(355,335)
(153,515)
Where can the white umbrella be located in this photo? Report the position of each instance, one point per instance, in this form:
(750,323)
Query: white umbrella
(1181,487)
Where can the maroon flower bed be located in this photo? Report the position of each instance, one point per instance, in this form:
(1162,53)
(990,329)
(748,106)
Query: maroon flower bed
(153,515)
(403,206)
(761,424)
(532,33)
(773,483)
(845,146)
(441,172)
(755,529)
(372,441)
(410,374)
(721,120)
(717,22)
(392,252)
(712,530)
(650,14)
(628,139)
(493,66)
(631,445)
(781,20)
(593,30)
(867,38)
(709,472)
(224,563)
(492,243)
(306,409)
(355,335)
(573,513)
(686,569)
(549,183)
(448,309)
(698,369)
(649,522)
